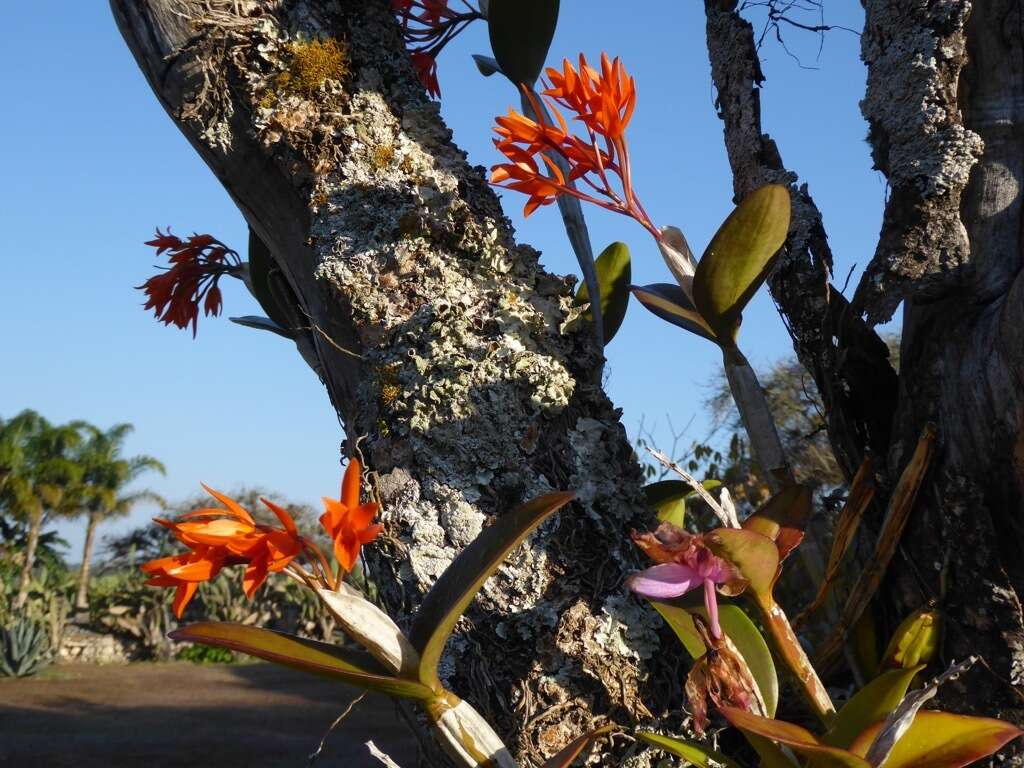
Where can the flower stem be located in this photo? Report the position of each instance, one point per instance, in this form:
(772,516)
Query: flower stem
(757,419)
(788,648)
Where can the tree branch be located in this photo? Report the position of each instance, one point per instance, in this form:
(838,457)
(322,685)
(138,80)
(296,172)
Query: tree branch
(915,53)
(848,361)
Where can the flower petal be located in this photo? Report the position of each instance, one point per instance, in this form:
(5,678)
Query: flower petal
(663,581)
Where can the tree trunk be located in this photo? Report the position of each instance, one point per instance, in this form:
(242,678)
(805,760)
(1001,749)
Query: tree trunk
(440,343)
(82,598)
(951,248)
(35,524)
(944,105)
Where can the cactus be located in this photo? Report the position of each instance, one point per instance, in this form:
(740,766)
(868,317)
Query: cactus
(23,648)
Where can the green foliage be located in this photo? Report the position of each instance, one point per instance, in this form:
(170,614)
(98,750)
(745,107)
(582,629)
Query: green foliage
(613,269)
(23,648)
(14,539)
(738,259)
(870,704)
(205,654)
(671,304)
(36,467)
(351,667)
(668,498)
(263,278)
(521,32)
(738,627)
(691,752)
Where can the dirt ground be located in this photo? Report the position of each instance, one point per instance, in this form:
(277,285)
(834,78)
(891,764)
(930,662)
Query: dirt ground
(177,715)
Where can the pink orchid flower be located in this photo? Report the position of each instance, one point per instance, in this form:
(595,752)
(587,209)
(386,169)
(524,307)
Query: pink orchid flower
(685,563)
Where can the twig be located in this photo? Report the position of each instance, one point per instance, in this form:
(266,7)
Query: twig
(901,718)
(383,757)
(348,710)
(729,521)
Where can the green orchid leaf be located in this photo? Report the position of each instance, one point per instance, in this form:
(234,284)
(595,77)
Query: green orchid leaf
(798,739)
(871,704)
(354,668)
(942,740)
(574,749)
(707,485)
(671,304)
(755,556)
(521,32)
(916,639)
(690,751)
(457,586)
(262,324)
(783,518)
(260,264)
(613,275)
(487,65)
(668,499)
(744,635)
(739,258)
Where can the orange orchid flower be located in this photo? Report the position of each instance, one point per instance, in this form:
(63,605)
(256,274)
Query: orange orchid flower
(221,537)
(197,264)
(603,102)
(348,522)
(184,572)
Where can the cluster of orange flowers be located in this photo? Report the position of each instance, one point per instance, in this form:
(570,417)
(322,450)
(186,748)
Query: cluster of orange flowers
(197,264)
(428,26)
(603,104)
(217,538)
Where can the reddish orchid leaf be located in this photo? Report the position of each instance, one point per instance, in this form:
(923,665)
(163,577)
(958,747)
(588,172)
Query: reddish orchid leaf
(754,555)
(572,751)
(358,669)
(783,518)
(942,740)
(793,736)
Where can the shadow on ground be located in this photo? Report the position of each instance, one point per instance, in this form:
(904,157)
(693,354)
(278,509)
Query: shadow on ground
(178,715)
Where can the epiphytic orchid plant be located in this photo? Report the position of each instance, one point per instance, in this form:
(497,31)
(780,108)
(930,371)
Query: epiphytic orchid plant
(569,146)
(392,663)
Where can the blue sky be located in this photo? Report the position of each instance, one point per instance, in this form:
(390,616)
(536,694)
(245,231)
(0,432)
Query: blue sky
(92,164)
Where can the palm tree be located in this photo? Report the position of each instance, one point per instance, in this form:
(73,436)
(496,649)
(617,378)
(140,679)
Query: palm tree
(37,471)
(100,494)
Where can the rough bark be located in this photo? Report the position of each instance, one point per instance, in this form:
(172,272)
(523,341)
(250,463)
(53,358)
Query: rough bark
(438,338)
(82,595)
(962,360)
(950,247)
(915,52)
